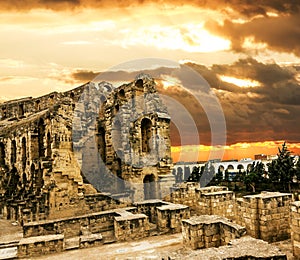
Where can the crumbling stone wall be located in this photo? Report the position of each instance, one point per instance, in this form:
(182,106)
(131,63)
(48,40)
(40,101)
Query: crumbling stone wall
(134,125)
(131,227)
(169,217)
(51,146)
(220,203)
(212,200)
(36,246)
(185,193)
(209,231)
(295,228)
(35,144)
(266,215)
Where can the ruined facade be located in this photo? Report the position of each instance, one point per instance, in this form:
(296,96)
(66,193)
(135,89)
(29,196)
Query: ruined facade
(51,149)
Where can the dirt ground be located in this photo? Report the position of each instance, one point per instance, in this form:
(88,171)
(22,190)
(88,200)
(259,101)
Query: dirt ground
(149,248)
(156,247)
(9,231)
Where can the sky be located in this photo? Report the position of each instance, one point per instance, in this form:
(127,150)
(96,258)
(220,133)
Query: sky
(248,53)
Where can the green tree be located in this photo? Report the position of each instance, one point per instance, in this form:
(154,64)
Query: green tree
(219,176)
(282,169)
(254,175)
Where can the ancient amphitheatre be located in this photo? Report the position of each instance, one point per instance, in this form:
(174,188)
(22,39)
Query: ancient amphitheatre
(79,176)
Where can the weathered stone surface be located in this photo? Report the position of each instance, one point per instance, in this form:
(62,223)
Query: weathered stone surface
(51,149)
(244,248)
(266,215)
(295,228)
(209,231)
(35,246)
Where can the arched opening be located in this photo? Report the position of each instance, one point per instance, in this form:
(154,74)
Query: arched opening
(139,83)
(37,105)
(12,182)
(2,154)
(4,114)
(21,110)
(32,177)
(39,178)
(221,168)
(146,129)
(102,99)
(122,93)
(230,167)
(23,153)
(13,155)
(149,187)
(240,167)
(49,150)
(108,88)
(101,143)
(41,135)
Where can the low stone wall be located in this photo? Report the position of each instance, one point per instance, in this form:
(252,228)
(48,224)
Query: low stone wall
(35,246)
(209,231)
(148,207)
(266,215)
(295,228)
(131,227)
(99,222)
(212,200)
(216,203)
(244,248)
(185,193)
(169,217)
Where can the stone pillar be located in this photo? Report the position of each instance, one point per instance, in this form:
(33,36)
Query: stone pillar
(295,228)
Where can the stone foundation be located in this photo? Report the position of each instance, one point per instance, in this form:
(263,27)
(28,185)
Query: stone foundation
(35,246)
(216,202)
(169,217)
(295,228)
(209,231)
(131,227)
(266,215)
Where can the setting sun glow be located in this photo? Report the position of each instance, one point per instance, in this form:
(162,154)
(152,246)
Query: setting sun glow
(243,83)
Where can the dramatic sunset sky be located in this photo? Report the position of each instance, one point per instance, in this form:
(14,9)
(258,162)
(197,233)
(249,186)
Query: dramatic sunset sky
(248,53)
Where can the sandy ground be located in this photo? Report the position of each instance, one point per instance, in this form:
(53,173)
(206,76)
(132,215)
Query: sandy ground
(9,231)
(149,248)
(156,247)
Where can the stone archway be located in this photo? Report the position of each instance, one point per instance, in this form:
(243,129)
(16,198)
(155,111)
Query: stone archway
(146,129)
(149,187)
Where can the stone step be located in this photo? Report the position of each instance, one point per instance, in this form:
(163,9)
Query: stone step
(71,243)
(8,252)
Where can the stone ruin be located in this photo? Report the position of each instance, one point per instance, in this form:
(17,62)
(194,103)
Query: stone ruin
(90,166)
(60,154)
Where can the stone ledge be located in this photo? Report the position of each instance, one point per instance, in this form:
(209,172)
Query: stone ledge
(131,217)
(47,238)
(172,207)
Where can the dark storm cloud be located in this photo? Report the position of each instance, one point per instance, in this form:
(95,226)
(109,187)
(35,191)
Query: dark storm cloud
(280,33)
(268,112)
(84,75)
(247,8)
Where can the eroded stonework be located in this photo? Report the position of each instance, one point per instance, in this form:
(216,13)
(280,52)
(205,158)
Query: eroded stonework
(51,149)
